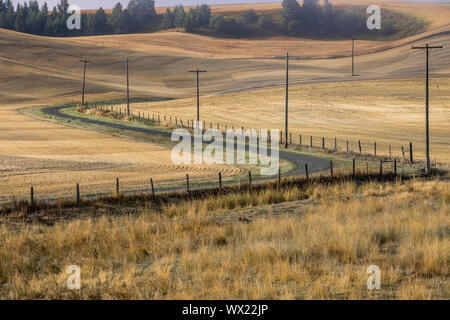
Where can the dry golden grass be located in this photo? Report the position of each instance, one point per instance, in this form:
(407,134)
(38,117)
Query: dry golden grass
(388,112)
(53,158)
(317,249)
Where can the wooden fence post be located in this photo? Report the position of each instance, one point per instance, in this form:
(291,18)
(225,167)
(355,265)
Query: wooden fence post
(311,142)
(403,153)
(250,180)
(331,168)
(187,182)
(32,196)
(381,168)
(411,158)
(354,167)
(220,180)
(335,144)
(153,188)
(117,187)
(390,151)
(78,194)
(359,145)
(279,177)
(375,149)
(395,167)
(306,171)
(300,140)
(290,138)
(347,146)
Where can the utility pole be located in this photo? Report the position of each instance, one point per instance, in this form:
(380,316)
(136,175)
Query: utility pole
(84,80)
(128,92)
(197,71)
(353,57)
(427,125)
(286,127)
(286,118)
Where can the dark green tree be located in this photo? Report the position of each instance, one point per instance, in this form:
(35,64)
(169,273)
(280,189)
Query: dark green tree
(97,23)
(179,16)
(168,20)
(189,21)
(249,17)
(20,19)
(202,15)
(141,12)
(291,14)
(118,20)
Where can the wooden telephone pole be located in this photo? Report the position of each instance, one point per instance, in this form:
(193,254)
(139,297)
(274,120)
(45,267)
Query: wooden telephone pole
(128,92)
(353,57)
(286,127)
(84,80)
(286,116)
(427,49)
(197,71)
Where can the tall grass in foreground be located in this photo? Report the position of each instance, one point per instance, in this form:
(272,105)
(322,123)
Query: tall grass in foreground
(188,250)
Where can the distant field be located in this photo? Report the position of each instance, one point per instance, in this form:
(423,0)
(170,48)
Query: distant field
(179,43)
(387,111)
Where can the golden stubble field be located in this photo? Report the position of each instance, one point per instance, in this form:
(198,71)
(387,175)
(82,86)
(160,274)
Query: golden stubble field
(53,158)
(180,43)
(47,71)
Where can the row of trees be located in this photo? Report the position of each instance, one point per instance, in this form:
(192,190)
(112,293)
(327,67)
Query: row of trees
(313,19)
(200,19)
(308,19)
(195,18)
(30,18)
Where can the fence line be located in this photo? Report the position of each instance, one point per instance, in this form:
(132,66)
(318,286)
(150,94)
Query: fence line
(359,168)
(335,144)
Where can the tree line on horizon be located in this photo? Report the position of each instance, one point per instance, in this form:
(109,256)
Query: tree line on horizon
(30,18)
(309,19)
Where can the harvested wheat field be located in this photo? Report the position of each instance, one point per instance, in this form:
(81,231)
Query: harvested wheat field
(386,112)
(46,71)
(180,43)
(228,248)
(53,158)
